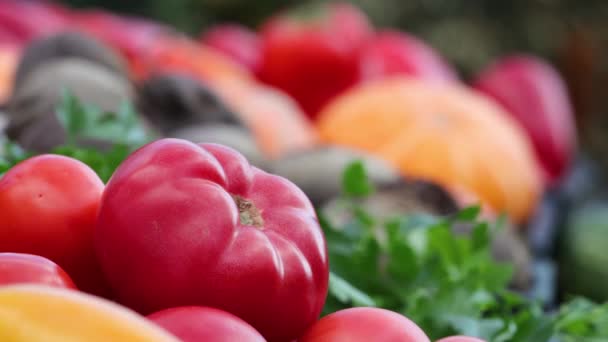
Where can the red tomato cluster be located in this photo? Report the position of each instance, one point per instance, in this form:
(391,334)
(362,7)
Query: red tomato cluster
(191,236)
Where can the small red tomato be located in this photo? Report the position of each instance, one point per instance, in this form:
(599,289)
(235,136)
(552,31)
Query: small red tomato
(534,93)
(314,60)
(364,324)
(184,224)
(48,207)
(197,323)
(398,53)
(19,268)
(460,339)
(236,42)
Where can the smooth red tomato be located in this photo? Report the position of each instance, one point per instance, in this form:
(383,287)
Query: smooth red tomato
(364,324)
(48,207)
(460,339)
(313,60)
(197,323)
(19,268)
(534,93)
(185,224)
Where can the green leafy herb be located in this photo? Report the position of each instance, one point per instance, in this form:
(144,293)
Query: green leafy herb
(355,182)
(86,121)
(445,281)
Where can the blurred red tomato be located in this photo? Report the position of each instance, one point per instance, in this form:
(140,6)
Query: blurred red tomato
(19,268)
(314,60)
(22,21)
(534,93)
(197,324)
(364,324)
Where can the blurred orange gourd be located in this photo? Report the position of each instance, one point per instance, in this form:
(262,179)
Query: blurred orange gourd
(277,122)
(31,313)
(445,133)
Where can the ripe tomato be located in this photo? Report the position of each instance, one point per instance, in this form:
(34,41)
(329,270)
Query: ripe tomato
(364,324)
(182,224)
(48,207)
(315,59)
(19,268)
(460,339)
(535,95)
(197,323)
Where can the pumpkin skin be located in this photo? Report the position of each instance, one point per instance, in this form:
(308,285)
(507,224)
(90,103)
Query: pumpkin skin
(446,133)
(34,312)
(9,59)
(277,122)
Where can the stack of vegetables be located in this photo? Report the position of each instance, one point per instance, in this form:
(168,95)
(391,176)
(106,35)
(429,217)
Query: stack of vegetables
(317,180)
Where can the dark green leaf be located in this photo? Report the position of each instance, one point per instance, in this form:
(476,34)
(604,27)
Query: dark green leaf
(355,182)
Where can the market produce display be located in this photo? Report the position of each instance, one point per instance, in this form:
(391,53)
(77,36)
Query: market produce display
(313,179)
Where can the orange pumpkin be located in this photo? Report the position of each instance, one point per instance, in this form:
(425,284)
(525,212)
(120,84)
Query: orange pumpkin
(175,54)
(441,132)
(9,58)
(277,122)
(30,313)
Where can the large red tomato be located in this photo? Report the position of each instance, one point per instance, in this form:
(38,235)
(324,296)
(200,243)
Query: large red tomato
(314,60)
(534,93)
(48,207)
(182,224)
(20,268)
(362,325)
(197,324)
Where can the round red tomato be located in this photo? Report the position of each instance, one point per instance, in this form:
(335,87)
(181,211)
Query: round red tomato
(197,323)
(461,339)
(314,59)
(363,325)
(18,268)
(182,224)
(48,207)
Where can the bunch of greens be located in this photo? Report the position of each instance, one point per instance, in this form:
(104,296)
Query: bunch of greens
(447,282)
(418,265)
(123,129)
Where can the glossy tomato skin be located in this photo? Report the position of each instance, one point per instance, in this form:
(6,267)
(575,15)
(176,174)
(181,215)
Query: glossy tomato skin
(20,268)
(237,42)
(48,207)
(364,324)
(314,60)
(170,233)
(460,339)
(197,323)
(398,53)
(534,93)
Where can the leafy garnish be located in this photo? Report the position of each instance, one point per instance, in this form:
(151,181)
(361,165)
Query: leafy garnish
(355,182)
(446,282)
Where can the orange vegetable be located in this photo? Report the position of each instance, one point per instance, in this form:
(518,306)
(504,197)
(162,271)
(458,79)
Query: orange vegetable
(441,132)
(37,313)
(183,56)
(277,122)
(9,57)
